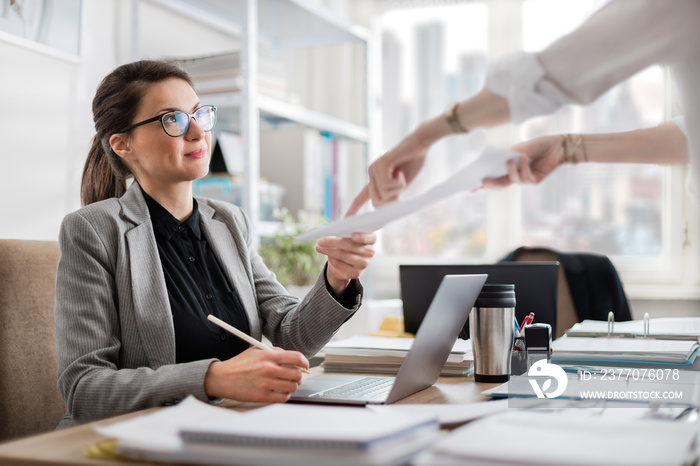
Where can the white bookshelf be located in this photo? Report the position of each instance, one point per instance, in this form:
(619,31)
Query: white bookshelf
(277,111)
(284,23)
(277,25)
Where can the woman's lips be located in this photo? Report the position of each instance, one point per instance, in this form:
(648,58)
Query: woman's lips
(197,154)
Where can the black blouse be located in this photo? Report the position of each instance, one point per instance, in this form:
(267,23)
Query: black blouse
(196,287)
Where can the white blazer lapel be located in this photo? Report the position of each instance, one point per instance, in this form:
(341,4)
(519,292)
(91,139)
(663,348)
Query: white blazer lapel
(151,305)
(228,252)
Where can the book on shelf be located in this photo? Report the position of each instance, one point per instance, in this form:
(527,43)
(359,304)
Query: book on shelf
(214,74)
(227,62)
(314,166)
(330,176)
(234,83)
(384,355)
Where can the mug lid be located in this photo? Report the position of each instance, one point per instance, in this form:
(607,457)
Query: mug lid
(496,295)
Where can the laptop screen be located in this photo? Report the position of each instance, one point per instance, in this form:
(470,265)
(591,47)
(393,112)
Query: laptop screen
(536,286)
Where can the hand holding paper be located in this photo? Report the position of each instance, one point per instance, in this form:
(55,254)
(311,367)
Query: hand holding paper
(490,164)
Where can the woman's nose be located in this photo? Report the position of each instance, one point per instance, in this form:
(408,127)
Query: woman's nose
(194,131)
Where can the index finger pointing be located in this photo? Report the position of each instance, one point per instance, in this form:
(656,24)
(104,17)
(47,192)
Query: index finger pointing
(359,201)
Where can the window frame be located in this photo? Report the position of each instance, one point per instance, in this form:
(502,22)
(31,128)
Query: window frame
(672,274)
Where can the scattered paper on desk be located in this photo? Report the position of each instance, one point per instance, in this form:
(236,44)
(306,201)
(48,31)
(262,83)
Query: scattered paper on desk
(161,430)
(285,423)
(563,437)
(447,414)
(307,435)
(194,432)
(490,164)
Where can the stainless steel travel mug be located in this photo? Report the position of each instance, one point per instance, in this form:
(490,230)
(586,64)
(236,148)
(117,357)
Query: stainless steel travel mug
(491,330)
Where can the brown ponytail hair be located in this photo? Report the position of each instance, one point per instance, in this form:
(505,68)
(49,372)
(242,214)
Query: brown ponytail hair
(116,102)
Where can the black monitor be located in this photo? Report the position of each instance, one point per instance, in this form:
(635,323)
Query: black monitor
(536,286)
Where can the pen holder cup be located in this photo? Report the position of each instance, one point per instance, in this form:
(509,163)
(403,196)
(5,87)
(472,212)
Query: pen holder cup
(518,360)
(491,330)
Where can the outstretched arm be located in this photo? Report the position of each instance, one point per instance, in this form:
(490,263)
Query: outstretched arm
(664,144)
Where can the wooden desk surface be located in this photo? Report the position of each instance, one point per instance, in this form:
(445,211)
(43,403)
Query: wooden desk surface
(65,447)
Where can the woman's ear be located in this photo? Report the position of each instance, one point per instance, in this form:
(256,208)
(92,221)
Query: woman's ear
(121,146)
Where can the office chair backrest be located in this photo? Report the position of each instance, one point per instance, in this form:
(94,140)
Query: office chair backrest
(535,288)
(590,290)
(566,313)
(30,402)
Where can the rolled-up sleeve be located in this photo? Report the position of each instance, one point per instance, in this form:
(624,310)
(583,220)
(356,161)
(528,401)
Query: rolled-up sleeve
(619,40)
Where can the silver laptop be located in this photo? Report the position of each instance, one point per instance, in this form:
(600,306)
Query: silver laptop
(422,366)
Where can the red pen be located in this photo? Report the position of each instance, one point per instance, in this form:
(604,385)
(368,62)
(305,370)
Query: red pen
(531,319)
(527,321)
(522,326)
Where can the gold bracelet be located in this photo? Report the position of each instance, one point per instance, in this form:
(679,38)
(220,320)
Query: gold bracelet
(451,117)
(569,145)
(583,148)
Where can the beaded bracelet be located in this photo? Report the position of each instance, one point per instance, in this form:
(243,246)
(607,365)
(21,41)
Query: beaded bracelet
(569,145)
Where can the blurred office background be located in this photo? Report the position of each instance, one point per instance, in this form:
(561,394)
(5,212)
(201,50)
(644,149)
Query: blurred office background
(421,56)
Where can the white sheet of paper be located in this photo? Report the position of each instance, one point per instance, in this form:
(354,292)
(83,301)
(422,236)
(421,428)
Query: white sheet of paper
(490,164)
(447,414)
(362,342)
(160,431)
(564,437)
(303,422)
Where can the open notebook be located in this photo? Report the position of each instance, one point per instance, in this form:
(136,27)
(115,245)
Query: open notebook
(664,328)
(623,349)
(669,340)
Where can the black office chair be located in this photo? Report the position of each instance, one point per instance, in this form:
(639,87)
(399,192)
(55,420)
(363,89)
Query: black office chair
(535,288)
(591,290)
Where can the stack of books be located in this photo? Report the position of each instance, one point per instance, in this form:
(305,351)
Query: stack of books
(384,355)
(214,74)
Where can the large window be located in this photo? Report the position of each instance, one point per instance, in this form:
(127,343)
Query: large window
(430,57)
(435,55)
(613,209)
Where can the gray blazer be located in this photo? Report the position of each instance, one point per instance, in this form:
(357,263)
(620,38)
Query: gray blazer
(115,340)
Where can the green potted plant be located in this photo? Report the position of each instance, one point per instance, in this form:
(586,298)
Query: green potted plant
(296,264)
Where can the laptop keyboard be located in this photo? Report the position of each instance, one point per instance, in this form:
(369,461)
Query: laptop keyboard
(367,388)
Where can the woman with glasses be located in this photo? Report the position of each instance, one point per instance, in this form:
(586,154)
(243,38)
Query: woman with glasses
(143,266)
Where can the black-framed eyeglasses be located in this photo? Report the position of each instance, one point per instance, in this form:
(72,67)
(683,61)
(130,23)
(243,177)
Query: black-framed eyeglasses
(176,122)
